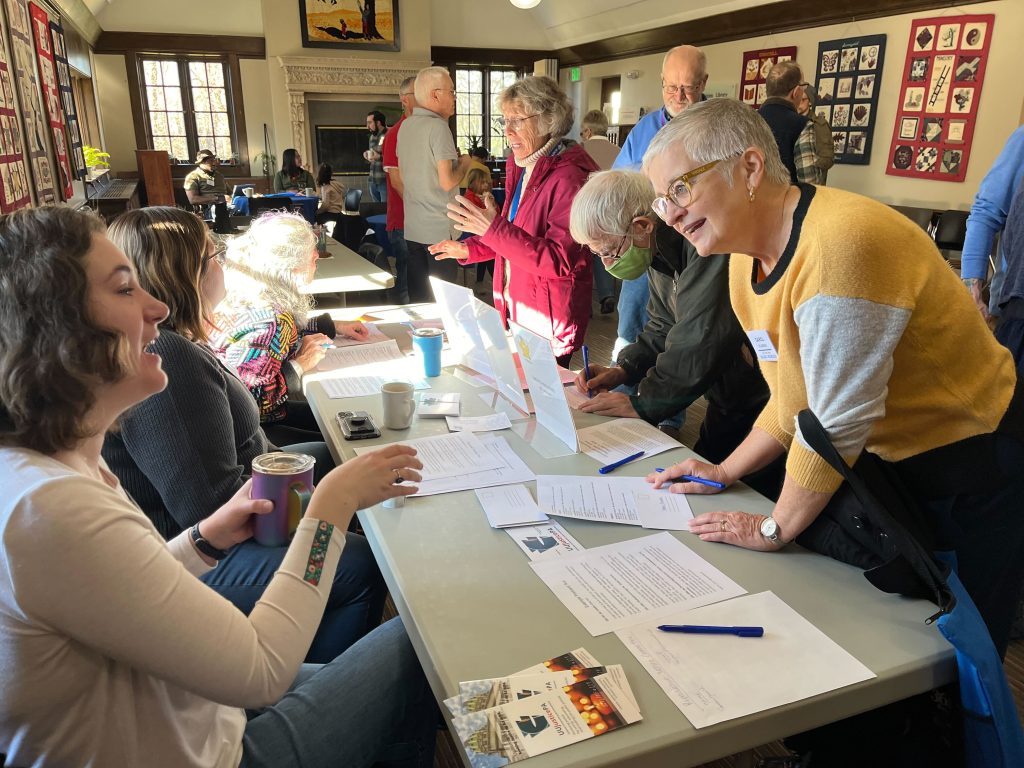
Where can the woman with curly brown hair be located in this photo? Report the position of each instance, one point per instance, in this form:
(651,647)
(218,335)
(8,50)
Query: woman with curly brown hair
(112,652)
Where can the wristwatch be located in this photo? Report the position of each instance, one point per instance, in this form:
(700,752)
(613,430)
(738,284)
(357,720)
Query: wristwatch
(770,530)
(204,546)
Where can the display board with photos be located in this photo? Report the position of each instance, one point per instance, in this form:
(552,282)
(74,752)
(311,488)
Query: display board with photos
(14,180)
(939,96)
(30,99)
(756,65)
(67,98)
(51,96)
(847,82)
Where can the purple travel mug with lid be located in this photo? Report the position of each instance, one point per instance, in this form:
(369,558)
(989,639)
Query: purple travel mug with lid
(287,480)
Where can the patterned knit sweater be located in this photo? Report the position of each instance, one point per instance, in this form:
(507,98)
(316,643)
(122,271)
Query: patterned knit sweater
(258,342)
(874,334)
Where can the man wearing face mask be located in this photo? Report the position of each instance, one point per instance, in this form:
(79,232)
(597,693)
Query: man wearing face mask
(692,345)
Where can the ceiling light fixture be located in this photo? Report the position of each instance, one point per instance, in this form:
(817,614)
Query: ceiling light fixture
(525,3)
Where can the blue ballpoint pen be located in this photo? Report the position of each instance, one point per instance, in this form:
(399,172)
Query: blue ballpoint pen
(698,629)
(695,479)
(586,368)
(616,464)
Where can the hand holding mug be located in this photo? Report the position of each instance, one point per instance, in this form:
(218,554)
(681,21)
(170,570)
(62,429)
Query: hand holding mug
(233,522)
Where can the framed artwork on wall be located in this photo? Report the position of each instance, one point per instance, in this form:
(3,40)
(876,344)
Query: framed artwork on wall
(15,189)
(939,96)
(367,25)
(67,97)
(51,97)
(756,65)
(846,81)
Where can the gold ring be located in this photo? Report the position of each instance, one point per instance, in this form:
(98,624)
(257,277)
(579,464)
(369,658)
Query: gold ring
(725,526)
(398,476)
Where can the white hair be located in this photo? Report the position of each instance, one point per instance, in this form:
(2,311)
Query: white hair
(718,129)
(427,80)
(544,97)
(263,265)
(608,203)
(692,52)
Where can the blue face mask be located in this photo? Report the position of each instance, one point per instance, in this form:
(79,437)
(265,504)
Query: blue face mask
(631,264)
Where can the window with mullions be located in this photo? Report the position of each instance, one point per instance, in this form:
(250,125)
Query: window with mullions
(188,108)
(476,108)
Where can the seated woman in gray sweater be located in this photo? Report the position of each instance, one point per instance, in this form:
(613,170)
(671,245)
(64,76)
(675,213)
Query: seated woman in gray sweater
(186,450)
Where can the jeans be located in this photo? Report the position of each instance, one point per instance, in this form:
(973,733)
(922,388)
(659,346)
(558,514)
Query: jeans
(603,282)
(354,606)
(400,293)
(379,192)
(422,266)
(1010,333)
(632,312)
(371,706)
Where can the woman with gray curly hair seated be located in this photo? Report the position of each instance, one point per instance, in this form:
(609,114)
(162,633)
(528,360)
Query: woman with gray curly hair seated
(263,328)
(542,279)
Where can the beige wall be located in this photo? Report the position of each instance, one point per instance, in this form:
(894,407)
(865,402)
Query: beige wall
(999,113)
(256,99)
(470,23)
(110,78)
(192,17)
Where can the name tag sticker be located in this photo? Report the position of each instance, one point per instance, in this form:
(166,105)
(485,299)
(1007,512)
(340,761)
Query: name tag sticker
(763,346)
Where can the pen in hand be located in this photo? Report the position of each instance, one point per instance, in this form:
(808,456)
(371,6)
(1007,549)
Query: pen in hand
(695,479)
(699,629)
(586,368)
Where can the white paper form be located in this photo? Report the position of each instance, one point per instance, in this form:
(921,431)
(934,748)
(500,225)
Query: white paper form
(663,509)
(509,505)
(604,499)
(489,423)
(455,305)
(449,455)
(360,386)
(546,388)
(511,469)
(624,584)
(575,398)
(345,360)
(714,678)
(618,438)
(542,541)
(376,336)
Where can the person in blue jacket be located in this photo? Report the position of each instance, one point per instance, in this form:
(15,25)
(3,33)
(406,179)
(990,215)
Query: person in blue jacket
(683,78)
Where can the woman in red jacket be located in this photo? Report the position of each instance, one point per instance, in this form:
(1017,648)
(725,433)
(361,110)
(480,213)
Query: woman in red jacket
(542,278)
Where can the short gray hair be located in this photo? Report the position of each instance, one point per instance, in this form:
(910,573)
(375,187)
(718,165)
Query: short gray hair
(607,203)
(717,129)
(596,121)
(427,79)
(544,97)
(783,78)
(262,264)
(406,84)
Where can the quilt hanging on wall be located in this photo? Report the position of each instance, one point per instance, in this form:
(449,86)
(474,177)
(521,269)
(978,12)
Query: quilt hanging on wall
(939,96)
(51,95)
(67,98)
(23,64)
(14,182)
(847,82)
(756,65)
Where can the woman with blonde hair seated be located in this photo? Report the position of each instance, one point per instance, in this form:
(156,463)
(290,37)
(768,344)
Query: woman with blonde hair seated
(264,329)
(112,652)
(188,449)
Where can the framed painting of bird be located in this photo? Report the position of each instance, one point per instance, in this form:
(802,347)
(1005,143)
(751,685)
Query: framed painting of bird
(369,25)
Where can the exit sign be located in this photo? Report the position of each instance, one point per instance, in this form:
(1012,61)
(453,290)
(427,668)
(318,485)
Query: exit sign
(574,74)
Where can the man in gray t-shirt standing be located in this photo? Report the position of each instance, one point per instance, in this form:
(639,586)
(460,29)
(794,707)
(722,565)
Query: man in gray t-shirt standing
(431,170)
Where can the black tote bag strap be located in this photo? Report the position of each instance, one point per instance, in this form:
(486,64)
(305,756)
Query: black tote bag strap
(922,566)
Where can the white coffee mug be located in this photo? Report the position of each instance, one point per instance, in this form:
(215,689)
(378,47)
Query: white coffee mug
(399,404)
(309,192)
(248,191)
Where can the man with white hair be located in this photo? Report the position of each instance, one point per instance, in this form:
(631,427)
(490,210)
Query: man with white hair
(430,169)
(683,79)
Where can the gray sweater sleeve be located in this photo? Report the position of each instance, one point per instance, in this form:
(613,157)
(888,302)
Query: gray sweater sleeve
(183,439)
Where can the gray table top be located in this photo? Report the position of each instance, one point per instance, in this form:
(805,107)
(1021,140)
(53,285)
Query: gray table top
(474,609)
(346,272)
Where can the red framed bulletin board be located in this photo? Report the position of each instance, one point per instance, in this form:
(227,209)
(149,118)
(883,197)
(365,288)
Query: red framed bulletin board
(15,191)
(939,96)
(755,71)
(51,95)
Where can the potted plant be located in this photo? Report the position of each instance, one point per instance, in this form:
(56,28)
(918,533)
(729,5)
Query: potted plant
(95,159)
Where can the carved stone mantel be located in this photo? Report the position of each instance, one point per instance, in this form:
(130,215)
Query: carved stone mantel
(338,75)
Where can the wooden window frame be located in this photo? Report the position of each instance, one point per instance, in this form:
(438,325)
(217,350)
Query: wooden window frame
(485,71)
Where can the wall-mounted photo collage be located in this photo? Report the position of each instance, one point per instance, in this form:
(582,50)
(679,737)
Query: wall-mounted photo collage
(756,65)
(939,96)
(847,81)
(51,95)
(14,180)
(67,97)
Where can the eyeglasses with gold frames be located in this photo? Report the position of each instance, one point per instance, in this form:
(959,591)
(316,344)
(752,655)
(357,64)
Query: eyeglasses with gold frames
(680,190)
(513,123)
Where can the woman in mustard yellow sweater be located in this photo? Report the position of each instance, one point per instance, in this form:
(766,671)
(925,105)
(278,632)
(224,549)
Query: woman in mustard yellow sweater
(855,316)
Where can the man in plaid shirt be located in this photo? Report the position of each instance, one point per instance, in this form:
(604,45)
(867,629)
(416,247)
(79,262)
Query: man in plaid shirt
(793,132)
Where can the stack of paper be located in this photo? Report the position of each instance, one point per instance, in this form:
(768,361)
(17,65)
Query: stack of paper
(449,456)
(439,404)
(362,369)
(616,439)
(488,423)
(531,715)
(504,467)
(509,505)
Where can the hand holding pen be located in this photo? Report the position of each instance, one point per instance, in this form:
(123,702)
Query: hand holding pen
(690,476)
